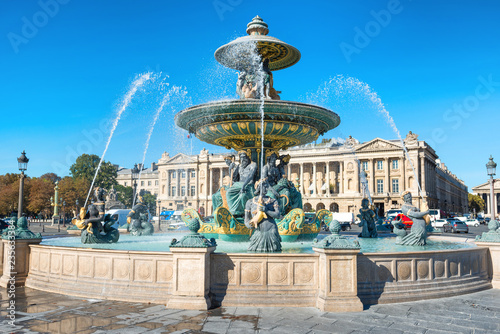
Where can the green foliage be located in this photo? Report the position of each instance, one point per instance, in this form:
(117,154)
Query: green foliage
(124,195)
(71,189)
(150,201)
(9,193)
(475,202)
(85,167)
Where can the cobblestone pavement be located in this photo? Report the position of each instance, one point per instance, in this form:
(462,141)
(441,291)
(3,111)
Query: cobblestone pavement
(43,312)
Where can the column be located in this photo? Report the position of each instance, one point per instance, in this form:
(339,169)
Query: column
(371,182)
(289,172)
(210,179)
(301,182)
(178,183)
(341,177)
(328,179)
(422,172)
(387,183)
(220,177)
(168,183)
(403,174)
(487,209)
(314,180)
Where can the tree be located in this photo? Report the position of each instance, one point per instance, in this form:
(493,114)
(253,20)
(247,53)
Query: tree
(39,192)
(124,195)
(9,194)
(71,190)
(150,201)
(52,177)
(476,203)
(85,167)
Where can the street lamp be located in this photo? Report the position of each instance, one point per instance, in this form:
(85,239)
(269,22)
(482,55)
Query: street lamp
(64,214)
(135,175)
(491,167)
(23,165)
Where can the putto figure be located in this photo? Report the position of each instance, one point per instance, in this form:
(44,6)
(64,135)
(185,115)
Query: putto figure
(418,233)
(137,219)
(95,225)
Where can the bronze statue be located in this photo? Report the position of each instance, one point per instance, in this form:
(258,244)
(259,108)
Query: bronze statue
(96,226)
(260,213)
(138,220)
(418,233)
(241,190)
(368,220)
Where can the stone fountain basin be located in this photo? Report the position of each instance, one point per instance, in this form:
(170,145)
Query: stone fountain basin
(244,279)
(236,124)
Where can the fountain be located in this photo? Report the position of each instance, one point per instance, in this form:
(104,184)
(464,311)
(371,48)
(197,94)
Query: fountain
(333,273)
(256,125)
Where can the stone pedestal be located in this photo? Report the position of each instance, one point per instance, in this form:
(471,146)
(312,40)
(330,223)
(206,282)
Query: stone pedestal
(494,257)
(338,280)
(16,258)
(191,281)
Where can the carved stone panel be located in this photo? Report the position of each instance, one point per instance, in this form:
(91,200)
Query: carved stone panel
(278,273)
(164,271)
(303,273)
(251,273)
(143,271)
(121,269)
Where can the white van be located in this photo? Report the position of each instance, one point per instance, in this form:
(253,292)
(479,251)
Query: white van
(344,218)
(120,216)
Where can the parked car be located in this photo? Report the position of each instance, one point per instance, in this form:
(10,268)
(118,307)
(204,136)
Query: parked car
(455,226)
(439,223)
(472,222)
(402,218)
(462,219)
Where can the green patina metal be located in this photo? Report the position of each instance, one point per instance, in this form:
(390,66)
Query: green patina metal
(21,230)
(335,240)
(194,239)
(493,235)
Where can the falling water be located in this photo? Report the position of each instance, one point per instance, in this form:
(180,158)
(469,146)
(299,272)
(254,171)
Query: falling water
(164,100)
(138,82)
(339,87)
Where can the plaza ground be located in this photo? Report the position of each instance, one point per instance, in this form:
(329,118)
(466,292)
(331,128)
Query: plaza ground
(43,312)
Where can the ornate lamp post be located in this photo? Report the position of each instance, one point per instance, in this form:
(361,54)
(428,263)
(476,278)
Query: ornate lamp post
(64,213)
(23,165)
(56,202)
(135,175)
(491,167)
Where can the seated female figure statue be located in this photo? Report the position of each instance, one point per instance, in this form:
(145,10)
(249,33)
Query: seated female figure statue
(95,225)
(241,190)
(418,233)
(260,213)
(137,219)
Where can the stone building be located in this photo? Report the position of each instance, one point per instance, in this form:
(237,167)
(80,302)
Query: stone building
(327,175)
(483,190)
(148,181)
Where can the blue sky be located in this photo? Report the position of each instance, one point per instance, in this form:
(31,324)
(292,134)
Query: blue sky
(435,65)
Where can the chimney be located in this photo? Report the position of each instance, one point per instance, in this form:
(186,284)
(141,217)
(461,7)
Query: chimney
(153,166)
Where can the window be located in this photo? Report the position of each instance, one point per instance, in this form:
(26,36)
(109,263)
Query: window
(193,190)
(156,182)
(183,191)
(380,165)
(395,185)
(193,173)
(364,165)
(395,164)
(174,191)
(142,183)
(380,186)
(174,175)
(125,184)
(149,183)
(170,204)
(183,174)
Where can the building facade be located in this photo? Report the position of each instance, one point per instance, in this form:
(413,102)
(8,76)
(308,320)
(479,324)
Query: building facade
(148,181)
(327,175)
(483,190)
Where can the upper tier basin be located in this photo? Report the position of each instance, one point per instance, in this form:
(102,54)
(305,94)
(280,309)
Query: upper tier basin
(236,123)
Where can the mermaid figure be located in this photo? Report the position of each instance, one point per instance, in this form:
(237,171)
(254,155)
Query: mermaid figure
(418,233)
